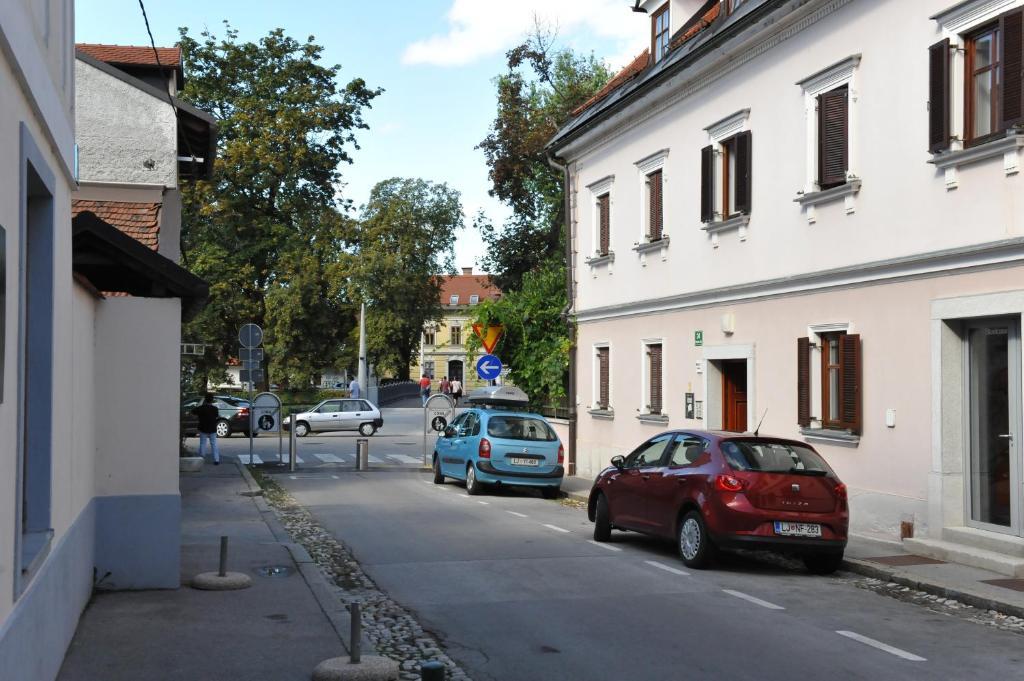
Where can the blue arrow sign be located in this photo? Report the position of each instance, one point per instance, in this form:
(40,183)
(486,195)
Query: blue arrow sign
(488,367)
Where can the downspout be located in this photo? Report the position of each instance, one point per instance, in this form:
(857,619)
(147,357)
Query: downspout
(560,164)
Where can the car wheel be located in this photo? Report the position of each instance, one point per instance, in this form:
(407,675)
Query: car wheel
(473,486)
(602,521)
(695,547)
(551,492)
(438,475)
(823,563)
(301,429)
(223,428)
(367,429)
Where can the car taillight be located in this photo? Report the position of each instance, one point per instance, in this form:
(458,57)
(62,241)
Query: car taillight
(485,448)
(840,491)
(561,454)
(729,483)
(244,411)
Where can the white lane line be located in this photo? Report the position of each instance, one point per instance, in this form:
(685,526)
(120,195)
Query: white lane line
(330,458)
(244,458)
(556,528)
(518,515)
(484,503)
(755,601)
(405,458)
(881,646)
(667,568)
(604,546)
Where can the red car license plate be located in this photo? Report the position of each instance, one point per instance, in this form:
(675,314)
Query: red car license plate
(797,529)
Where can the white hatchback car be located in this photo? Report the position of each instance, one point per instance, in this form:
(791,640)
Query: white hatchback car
(339,414)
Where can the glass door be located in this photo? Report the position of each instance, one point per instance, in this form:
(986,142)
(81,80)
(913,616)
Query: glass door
(994,406)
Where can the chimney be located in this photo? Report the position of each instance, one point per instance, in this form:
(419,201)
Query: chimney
(467,270)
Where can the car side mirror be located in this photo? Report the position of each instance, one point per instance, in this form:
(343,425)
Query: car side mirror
(619,462)
(449,431)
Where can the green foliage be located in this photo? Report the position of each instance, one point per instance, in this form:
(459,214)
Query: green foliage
(535,345)
(268,231)
(405,239)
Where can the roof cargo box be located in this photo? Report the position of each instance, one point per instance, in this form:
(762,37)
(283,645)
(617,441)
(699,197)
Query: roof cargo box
(498,396)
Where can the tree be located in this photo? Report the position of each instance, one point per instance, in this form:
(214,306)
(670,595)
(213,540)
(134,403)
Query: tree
(405,241)
(268,231)
(538,94)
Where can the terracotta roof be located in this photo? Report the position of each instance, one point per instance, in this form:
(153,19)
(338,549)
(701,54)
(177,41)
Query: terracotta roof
(466,285)
(131,55)
(705,21)
(141,221)
(627,74)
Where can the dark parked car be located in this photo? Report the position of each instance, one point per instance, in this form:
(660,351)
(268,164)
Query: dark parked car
(234,415)
(711,491)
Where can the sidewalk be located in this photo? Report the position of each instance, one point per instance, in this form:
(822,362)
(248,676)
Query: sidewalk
(279,629)
(890,562)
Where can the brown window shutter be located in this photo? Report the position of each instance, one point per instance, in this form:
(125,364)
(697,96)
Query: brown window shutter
(833,133)
(602,361)
(938,96)
(1011,29)
(803,382)
(707,184)
(655,367)
(654,228)
(849,382)
(741,183)
(604,217)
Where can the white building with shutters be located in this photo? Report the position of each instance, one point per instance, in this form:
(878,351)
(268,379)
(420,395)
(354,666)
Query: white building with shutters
(790,217)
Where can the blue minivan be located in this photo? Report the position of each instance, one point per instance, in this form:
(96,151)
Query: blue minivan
(493,443)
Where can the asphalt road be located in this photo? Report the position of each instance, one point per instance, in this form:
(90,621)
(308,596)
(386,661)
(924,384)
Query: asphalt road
(516,590)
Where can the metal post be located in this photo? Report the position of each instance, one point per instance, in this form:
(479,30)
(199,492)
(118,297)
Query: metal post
(292,444)
(251,423)
(223,557)
(355,634)
(432,670)
(362,454)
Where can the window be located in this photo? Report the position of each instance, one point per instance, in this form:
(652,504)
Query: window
(652,452)
(474,299)
(456,338)
(603,378)
(833,137)
(726,186)
(659,33)
(655,210)
(520,428)
(429,337)
(690,451)
(603,224)
(352,406)
(454,300)
(840,372)
(982,81)
(654,379)
(428,367)
(329,407)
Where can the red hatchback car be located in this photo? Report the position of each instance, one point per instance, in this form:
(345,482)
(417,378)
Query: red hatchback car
(710,490)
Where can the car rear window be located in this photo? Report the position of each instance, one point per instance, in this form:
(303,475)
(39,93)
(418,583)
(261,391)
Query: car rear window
(520,428)
(774,457)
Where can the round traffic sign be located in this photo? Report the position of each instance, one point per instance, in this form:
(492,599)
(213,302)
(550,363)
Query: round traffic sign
(266,422)
(488,367)
(250,336)
(439,423)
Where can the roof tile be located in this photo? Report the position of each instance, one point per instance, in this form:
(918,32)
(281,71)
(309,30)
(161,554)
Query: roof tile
(132,55)
(141,221)
(465,285)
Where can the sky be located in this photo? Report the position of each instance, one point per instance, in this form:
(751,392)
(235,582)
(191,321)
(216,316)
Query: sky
(435,59)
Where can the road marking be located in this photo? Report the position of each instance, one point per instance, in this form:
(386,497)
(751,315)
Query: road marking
(405,458)
(244,458)
(556,528)
(427,482)
(484,503)
(336,477)
(667,568)
(604,546)
(518,515)
(373,459)
(755,601)
(881,646)
(330,458)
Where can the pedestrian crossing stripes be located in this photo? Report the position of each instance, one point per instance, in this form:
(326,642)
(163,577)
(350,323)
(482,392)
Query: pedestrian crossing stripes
(344,459)
(331,458)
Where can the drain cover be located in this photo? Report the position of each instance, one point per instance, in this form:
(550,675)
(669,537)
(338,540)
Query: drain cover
(274,571)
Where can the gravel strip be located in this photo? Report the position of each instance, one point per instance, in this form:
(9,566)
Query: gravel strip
(392,630)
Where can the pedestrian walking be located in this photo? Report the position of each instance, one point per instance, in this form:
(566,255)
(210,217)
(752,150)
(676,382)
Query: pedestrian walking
(353,388)
(425,388)
(456,388)
(445,386)
(208,415)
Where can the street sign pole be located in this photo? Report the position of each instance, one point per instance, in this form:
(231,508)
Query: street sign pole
(250,336)
(443,414)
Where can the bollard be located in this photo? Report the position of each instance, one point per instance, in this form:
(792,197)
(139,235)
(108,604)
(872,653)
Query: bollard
(362,454)
(223,557)
(355,634)
(293,450)
(432,670)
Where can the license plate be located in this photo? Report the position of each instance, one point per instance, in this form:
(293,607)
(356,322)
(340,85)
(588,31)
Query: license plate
(519,461)
(797,529)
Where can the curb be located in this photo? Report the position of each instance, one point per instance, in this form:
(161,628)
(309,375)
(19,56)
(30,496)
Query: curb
(322,590)
(907,579)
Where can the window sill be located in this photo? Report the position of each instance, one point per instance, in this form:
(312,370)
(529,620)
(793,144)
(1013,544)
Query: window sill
(1008,147)
(826,195)
(735,222)
(35,547)
(604,414)
(598,260)
(649,246)
(653,418)
(831,436)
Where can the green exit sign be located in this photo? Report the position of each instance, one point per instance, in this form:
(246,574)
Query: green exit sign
(698,338)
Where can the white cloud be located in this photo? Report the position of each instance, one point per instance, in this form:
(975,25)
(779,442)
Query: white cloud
(480,29)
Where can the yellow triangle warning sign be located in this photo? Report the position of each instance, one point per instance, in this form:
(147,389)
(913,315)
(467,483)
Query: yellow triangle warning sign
(488,337)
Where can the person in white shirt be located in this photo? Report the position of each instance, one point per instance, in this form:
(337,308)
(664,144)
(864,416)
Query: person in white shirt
(353,388)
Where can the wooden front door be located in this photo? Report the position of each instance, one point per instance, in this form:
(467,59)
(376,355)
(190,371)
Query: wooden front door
(734,395)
